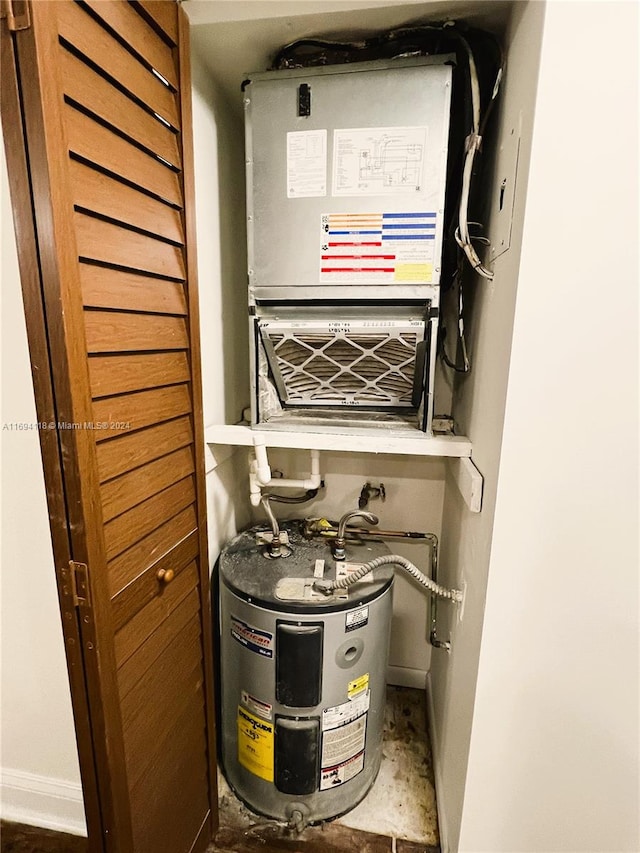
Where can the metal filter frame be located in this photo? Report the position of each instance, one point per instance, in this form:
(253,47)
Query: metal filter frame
(329,363)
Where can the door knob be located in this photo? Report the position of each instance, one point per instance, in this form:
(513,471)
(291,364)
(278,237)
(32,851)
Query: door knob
(165,575)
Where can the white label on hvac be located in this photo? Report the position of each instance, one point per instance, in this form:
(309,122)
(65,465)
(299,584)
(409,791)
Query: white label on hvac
(306,163)
(378,248)
(262,709)
(378,160)
(344,730)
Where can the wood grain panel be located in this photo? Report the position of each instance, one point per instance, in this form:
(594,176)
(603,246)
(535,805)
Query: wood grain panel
(184,659)
(136,449)
(188,800)
(130,27)
(110,244)
(89,89)
(87,36)
(101,194)
(135,560)
(116,331)
(159,727)
(133,488)
(106,288)
(136,411)
(158,641)
(163,14)
(117,374)
(126,604)
(90,140)
(148,620)
(125,530)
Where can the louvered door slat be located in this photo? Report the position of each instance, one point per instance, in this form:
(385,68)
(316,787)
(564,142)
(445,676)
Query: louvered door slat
(96,192)
(105,89)
(109,331)
(99,145)
(128,528)
(138,35)
(163,16)
(139,557)
(106,243)
(131,489)
(134,450)
(131,412)
(85,34)
(88,89)
(127,603)
(103,287)
(147,621)
(117,374)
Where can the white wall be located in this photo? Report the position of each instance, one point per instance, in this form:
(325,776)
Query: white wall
(40,772)
(479,410)
(554,753)
(221,237)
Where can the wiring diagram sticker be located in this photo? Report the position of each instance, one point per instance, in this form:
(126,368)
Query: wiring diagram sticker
(378,160)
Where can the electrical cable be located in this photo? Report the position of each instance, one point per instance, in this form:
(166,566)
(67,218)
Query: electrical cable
(427,39)
(309,495)
(327,587)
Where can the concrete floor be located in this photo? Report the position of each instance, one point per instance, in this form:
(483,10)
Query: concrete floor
(402,802)
(401,805)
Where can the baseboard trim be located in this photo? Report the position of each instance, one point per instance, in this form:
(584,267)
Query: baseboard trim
(437,769)
(403,676)
(42,801)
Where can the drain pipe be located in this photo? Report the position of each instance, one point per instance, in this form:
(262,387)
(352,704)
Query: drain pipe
(260,473)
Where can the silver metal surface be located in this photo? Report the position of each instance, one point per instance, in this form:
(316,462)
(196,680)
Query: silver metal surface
(284,233)
(354,656)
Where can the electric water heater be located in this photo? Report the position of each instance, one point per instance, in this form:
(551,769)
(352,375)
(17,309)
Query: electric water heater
(303,675)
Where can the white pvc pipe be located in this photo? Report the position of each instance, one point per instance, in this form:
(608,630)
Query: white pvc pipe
(260,473)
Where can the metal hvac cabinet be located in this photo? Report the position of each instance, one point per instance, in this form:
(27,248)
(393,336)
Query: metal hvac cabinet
(346,172)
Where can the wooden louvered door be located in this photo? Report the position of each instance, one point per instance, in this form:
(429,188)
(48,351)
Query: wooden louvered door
(99,131)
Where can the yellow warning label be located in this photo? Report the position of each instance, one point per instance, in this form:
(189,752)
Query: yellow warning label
(255,744)
(358,685)
(413,272)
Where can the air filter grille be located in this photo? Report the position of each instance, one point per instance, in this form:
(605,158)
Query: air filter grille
(334,364)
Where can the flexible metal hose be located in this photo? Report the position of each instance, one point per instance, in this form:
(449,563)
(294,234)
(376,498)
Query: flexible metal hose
(327,587)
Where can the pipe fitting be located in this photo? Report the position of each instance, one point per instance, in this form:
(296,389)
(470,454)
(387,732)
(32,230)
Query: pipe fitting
(339,543)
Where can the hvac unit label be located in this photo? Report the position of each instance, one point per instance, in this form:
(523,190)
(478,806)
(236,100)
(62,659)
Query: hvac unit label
(306,163)
(377,248)
(260,642)
(344,730)
(378,160)
(255,745)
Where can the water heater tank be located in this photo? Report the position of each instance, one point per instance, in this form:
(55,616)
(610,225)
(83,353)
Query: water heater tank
(302,676)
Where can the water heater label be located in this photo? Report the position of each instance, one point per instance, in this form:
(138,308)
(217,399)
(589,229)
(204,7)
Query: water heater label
(355,619)
(378,160)
(262,709)
(260,642)
(378,248)
(358,686)
(344,730)
(255,745)
(306,163)
(341,715)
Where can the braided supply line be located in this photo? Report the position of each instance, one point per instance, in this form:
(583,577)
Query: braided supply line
(327,587)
